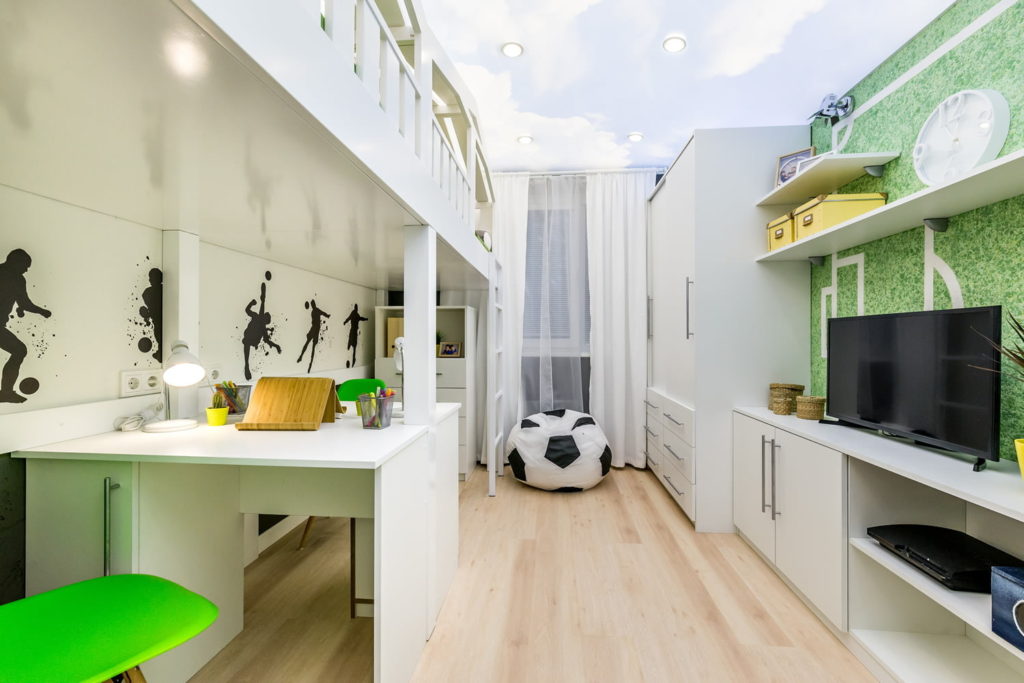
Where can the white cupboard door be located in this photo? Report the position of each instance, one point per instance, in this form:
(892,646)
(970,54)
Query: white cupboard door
(810,543)
(751,443)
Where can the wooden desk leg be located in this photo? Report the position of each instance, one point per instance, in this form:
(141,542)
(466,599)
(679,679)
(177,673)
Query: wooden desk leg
(305,531)
(400,563)
(361,559)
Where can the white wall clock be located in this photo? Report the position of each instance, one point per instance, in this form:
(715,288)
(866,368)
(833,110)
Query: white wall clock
(966,130)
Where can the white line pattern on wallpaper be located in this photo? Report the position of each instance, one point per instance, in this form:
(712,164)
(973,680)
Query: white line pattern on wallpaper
(934,264)
(833,292)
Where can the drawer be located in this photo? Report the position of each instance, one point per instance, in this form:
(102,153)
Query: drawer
(654,401)
(653,430)
(451,372)
(678,418)
(654,457)
(678,487)
(679,454)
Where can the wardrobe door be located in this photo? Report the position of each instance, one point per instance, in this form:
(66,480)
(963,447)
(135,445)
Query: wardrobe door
(752,484)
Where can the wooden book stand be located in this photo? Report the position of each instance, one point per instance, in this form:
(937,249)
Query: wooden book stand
(290,404)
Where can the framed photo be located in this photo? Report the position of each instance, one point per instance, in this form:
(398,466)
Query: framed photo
(789,165)
(450,350)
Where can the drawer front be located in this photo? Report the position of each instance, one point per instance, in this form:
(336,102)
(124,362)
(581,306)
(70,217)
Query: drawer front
(654,401)
(679,454)
(451,372)
(653,430)
(655,459)
(678,487)
(679,419)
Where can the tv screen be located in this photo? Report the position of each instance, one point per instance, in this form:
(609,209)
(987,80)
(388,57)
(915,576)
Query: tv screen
(920,375)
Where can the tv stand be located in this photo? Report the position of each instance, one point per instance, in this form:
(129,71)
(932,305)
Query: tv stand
(844,423)
(979,464)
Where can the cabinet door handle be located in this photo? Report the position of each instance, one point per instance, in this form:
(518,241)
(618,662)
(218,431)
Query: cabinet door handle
(650,405)
(689,332)
(669,416)
(674,454)
(650,318)
(669,480)
(108,486)
(775,505)
(648,430)
(764,502)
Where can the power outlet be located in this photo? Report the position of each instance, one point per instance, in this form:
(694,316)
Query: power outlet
(141,382)
(214,374)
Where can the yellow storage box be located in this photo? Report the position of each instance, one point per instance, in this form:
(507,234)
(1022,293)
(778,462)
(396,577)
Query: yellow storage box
(827,210)
(780,232)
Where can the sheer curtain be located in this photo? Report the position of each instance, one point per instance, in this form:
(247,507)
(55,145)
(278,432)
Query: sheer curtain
(510,218)
(617,249)
(556,309)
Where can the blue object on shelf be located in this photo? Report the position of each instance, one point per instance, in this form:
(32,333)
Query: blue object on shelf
(1008,604)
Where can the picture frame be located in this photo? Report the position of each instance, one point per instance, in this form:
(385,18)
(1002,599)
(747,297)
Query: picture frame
(449,350)
(788,165)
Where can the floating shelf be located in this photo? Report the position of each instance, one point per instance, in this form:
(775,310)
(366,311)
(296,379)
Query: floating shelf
(995,181)
(928,657)
(975,609)
(825,175)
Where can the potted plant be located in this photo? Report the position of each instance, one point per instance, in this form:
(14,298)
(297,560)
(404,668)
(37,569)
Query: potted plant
(217,413)
(1014,354)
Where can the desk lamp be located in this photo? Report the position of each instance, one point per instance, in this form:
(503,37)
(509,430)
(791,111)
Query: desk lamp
(400,369)
(182,369)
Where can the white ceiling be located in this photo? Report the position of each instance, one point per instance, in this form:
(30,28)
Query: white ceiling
(594,70)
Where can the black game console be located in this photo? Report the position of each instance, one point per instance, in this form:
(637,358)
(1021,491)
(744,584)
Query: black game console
(954,559)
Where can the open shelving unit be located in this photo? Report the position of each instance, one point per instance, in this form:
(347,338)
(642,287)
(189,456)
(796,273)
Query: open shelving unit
(824,175)
(993,182)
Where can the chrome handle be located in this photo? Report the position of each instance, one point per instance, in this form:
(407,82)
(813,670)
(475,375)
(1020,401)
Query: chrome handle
(669,480)
(648,430)
(681,424)
(764,503)
(436,373)
(674,454)
(108,486)
(689,333)
(650,405)
(650,318)
(775,506)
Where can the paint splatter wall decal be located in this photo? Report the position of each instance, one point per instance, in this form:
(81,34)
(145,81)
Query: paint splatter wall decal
(146,314)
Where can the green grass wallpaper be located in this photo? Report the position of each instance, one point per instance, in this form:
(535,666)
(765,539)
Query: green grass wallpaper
(984,248)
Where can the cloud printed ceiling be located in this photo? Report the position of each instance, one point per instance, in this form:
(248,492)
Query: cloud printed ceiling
(595,70)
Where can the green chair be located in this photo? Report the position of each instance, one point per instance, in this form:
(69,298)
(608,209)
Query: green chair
(94,630)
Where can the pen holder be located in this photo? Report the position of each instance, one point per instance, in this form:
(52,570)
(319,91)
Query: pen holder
(376,411)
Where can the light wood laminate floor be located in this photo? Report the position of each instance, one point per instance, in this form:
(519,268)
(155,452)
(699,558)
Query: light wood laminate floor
(612,584)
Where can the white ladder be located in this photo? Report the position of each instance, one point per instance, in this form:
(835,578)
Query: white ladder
(494,438)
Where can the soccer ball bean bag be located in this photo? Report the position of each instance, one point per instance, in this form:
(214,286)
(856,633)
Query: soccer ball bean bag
(559,450)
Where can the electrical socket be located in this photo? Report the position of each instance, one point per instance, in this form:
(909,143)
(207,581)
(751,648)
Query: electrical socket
(214,374)
(141,382)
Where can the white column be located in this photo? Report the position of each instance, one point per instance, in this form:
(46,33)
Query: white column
(181,306)
(419,380)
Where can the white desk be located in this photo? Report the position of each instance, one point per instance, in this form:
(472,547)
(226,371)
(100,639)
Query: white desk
(178,514)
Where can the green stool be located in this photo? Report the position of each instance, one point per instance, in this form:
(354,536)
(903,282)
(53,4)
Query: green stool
(96,629)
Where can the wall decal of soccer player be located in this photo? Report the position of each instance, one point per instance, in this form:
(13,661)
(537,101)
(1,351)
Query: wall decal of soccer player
(315,331)
(14,295)
(353,319)
(258,331)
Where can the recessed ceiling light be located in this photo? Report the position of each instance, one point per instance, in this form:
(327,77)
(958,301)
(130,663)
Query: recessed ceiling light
(524,139)
(674,44)
(635,137)
(512,49)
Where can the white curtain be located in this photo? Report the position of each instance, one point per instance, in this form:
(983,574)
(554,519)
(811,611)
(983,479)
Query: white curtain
(617,252)
(511,203)
(555,335)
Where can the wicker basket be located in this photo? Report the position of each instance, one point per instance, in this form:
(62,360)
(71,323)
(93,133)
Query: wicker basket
(810,407)
(782,397)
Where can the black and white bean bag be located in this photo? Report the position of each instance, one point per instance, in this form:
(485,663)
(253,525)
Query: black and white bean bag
(559,450)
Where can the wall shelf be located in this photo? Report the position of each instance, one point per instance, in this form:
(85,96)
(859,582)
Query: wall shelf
(993,182)
(975,609)
(825,175)
(929,657)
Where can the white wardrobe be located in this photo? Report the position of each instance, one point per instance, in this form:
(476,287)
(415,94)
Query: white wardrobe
(721,327)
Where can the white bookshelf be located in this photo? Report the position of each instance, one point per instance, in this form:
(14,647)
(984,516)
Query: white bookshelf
(824,175)
(933,658)
(993,182)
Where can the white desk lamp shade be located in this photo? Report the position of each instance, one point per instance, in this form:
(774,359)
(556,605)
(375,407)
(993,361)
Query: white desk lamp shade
(399,354)
(183,368)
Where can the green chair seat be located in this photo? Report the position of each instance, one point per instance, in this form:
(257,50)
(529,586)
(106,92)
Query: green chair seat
(95,629)
(351,389)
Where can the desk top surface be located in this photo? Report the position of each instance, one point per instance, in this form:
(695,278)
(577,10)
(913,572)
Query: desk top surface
(343,444)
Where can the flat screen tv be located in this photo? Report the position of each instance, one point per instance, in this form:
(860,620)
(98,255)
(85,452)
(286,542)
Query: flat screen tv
(920,376)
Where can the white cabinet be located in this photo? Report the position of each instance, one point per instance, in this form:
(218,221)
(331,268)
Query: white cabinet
(456,377)
(789,501)
(721,326)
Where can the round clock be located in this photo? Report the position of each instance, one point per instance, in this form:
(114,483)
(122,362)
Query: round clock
(966,129)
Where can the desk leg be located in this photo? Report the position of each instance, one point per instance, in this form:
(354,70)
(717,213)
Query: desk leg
(400,563)
(361,559)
